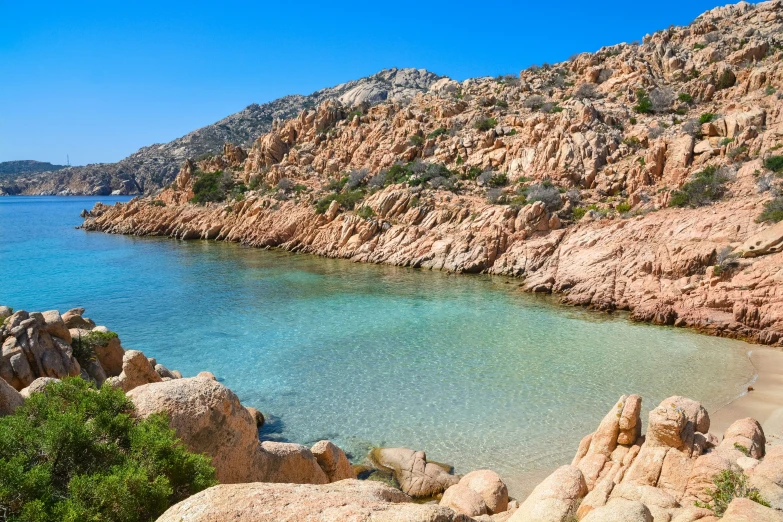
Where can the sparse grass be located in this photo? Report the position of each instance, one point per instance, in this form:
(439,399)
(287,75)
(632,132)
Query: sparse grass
(773,211)
(730,484)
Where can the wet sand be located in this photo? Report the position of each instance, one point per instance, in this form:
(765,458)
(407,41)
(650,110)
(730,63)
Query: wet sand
(764,403)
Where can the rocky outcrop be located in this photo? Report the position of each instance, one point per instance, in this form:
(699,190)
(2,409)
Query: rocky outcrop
(136,371)
(346,500)
(478,493)
(333,461)
(35,345)
(556,499)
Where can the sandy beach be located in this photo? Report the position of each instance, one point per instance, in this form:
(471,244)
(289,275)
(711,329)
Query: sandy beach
(764,403)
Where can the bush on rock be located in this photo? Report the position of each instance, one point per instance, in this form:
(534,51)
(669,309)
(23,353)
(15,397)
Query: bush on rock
(76,453)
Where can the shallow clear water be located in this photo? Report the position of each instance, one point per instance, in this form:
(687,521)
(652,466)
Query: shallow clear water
(467,368)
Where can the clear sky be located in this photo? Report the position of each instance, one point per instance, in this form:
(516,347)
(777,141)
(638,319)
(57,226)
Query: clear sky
(99,80)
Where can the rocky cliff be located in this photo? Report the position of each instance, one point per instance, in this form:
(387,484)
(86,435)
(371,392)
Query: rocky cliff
(644,177)
(152,167)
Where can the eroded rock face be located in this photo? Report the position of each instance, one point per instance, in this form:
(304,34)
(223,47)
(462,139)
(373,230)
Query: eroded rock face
(416,476)
(490,487)
(359,501)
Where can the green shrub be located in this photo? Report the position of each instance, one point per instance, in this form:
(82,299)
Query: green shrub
(730,484)
(211,186)
(774,163)
(578,213)
(365,212)
(336,185)
(512,132)
(706,118)
(633,120)
(498,180)
(485,124)
(157,203)
(699,46)
(503,104)
(685,97)
(623,208)
(770,90)
(773,211)
(643,102)
(416,140)
(440,131)
(84,346)
(472,173)
(347,200)
(74,453)
(705,187)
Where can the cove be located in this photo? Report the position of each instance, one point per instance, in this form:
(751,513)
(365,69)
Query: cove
(467,368)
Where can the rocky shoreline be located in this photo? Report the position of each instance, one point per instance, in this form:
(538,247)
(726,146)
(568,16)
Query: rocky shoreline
(663,475)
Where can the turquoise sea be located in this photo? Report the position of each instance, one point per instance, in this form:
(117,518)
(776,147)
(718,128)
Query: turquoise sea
(467,368)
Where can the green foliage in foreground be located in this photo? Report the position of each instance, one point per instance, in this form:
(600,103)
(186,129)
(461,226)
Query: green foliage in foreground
(705,187)
(730,484)
(76,454)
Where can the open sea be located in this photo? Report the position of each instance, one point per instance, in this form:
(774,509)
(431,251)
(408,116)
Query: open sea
(467,368)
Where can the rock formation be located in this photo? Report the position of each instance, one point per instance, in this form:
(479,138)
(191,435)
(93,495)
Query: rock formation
(563,176)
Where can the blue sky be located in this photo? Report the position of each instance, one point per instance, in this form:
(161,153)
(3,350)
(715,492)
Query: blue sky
(99,80)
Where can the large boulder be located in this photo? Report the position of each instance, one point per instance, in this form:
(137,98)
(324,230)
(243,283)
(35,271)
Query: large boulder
(37,386)
(555,499)
(767,241)
(331,459)
(462,499)
(490,487)
(743,437)
(745,510)
(111,356)
(10,399)
(357,501)
(416,476)
(136,371)
(73,319)
(293,463)
(209,419)
(55,326)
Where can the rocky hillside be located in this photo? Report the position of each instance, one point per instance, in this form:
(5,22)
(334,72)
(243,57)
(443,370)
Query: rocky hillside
(26,167)
(152,167)
(644,177)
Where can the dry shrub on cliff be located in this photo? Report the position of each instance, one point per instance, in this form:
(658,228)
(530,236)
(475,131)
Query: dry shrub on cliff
(706,187)
(546,193)
(588,91)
